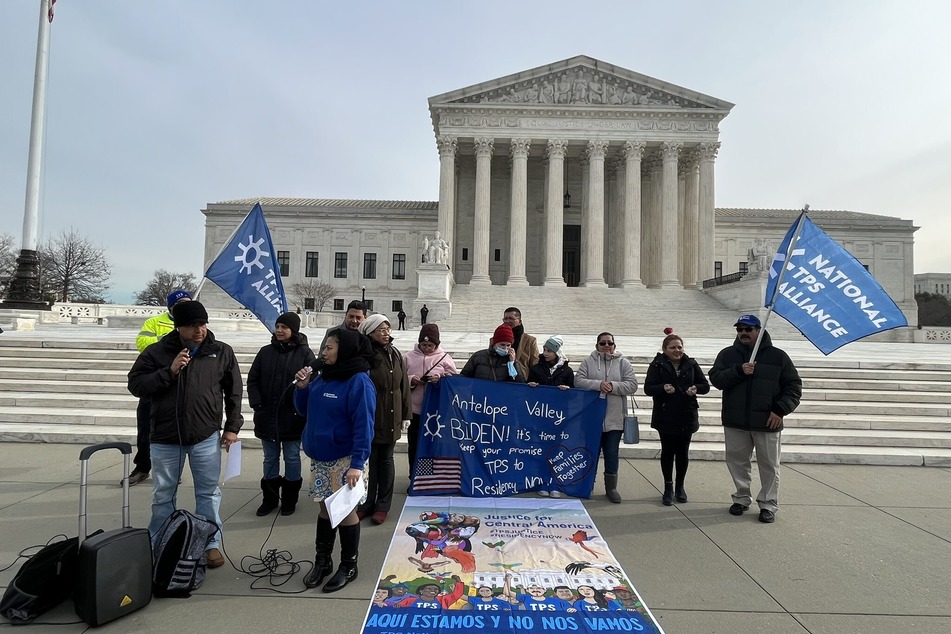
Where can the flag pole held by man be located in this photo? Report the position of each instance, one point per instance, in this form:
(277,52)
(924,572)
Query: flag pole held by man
(246,268)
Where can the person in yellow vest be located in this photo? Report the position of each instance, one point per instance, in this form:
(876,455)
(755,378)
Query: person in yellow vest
(153,329)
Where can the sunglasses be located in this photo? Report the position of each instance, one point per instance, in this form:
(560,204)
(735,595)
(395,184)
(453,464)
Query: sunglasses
(605,343)
(745,329)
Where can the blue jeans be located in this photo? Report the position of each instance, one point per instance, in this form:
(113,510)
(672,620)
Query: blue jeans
(610,449)
(204,460)
(272,457)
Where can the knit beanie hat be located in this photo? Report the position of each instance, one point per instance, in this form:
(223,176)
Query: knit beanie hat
(554,344)
(372,322)
(188,313)
(291,320)
(502,334)
(430,333)
(176,296)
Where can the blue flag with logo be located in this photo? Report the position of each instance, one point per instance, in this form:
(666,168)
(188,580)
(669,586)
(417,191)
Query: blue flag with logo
(247,270)
(825,292)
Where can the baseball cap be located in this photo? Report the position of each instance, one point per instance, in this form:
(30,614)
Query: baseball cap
(748,320)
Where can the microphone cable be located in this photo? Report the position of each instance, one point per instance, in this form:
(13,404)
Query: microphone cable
(272,568)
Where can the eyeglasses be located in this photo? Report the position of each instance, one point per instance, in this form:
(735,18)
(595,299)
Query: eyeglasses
(606,343)
(383,331)
(745,329)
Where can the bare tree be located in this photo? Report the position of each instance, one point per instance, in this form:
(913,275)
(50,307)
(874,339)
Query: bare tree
(8,261)
(933,309)
(163,283)
(320,292)
(72,269)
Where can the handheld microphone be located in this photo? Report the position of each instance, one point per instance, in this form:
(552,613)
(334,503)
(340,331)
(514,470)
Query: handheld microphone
(314,369)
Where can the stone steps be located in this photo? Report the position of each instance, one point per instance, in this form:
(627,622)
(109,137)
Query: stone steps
(573,311)
(859,409)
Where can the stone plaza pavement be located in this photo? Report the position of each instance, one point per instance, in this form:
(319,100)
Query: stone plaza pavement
(855,549)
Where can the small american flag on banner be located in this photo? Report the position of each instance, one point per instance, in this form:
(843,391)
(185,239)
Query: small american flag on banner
(438,474)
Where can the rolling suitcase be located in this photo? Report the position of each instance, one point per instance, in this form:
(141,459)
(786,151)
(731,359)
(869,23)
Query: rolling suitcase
(114,569)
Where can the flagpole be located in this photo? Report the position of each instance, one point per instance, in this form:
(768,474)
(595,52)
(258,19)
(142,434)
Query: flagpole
(24,289)
(779,280)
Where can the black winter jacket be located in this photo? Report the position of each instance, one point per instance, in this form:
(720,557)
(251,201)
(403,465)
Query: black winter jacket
(187,409)
(542,374)
(270,393)
(486,364)
(675,413)
(774,386)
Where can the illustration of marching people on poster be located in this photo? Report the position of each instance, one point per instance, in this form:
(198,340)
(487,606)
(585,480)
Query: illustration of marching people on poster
(503,565)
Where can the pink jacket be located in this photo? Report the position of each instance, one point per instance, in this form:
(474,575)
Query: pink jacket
(417,364)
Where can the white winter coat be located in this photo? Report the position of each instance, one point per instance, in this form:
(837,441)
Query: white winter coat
(615,368)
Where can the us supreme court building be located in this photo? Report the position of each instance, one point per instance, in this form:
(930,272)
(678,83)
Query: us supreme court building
(579,174)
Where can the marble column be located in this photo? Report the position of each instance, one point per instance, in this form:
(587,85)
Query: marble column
(446,223)
(480,231)
(615,226)
(632,153)
(646,201)
(541,232)
(707,211)
(583,265)
(518,220)
(681,198)
(594,256)
(670,247)
(554,213)
(691,224)
(655,234)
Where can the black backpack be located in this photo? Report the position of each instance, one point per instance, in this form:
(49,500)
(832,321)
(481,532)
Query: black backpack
(178,554)
(45,580)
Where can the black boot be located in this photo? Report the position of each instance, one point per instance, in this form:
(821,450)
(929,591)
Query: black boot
(610,487)
(681,493)
(349,545)
(324,548)
(668,498)
(290,491)
(272,495)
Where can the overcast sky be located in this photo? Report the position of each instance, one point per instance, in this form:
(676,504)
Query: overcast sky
(157,108)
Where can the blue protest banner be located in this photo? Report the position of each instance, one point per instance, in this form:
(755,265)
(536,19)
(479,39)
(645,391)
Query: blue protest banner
(825,292)
(248,271)
(486,439)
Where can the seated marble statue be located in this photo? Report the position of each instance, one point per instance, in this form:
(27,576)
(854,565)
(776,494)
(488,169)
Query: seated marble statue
(438,250)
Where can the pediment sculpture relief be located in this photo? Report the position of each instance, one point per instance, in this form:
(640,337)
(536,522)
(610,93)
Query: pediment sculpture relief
(581,86)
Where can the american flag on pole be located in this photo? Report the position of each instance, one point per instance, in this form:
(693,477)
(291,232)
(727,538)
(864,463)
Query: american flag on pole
(49,13)
(438,474)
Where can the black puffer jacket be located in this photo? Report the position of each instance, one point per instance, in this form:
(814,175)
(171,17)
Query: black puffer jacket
(269,388)
(542,374)
(187,408)
(675,413)
(486,364)
(774,386)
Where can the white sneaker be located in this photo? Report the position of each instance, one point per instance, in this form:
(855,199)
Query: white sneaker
(543,494)
(557,494)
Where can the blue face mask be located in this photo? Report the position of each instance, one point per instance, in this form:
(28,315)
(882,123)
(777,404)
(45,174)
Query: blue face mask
(502,352)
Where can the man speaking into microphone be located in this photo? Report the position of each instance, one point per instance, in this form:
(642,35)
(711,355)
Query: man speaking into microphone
(192,379)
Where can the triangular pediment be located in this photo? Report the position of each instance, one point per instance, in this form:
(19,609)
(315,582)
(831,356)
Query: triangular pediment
(581,81)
